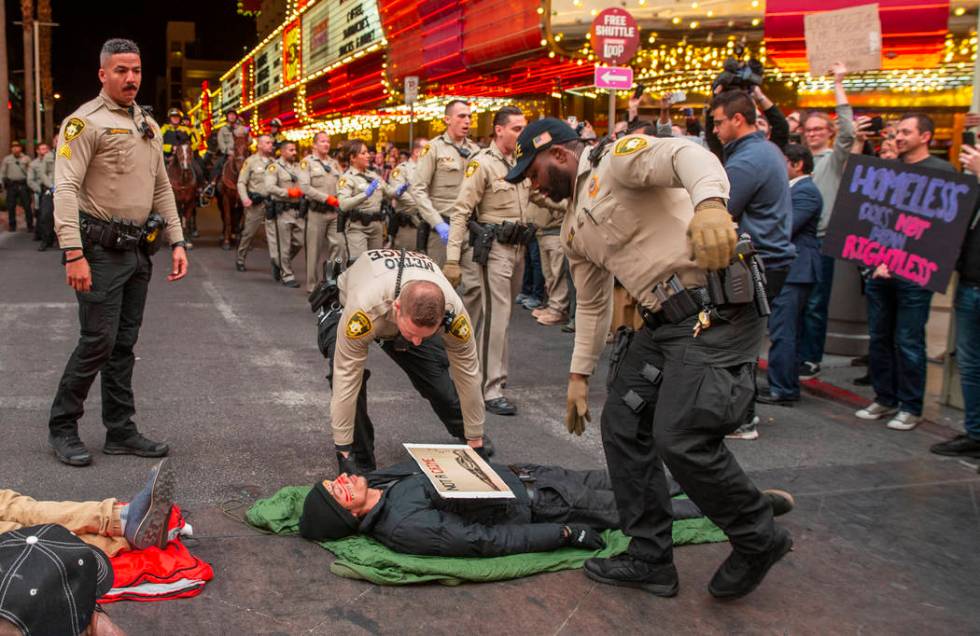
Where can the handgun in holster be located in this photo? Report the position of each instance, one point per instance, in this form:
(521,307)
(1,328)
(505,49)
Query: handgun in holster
(327,292)
(304,207)
(422,237)
(680,305)
(391,219)
(746,253)
(272,210)
(152,237)
(341,221)
(485,235)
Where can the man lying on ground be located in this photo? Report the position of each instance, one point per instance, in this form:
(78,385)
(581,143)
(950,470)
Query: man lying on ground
(108,525)
(553,508)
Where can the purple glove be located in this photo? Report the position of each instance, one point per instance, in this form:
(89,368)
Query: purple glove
(442,229)
(401,189)
(371,188)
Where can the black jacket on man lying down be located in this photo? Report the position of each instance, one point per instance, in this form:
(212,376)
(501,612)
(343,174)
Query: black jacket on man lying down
(553,508)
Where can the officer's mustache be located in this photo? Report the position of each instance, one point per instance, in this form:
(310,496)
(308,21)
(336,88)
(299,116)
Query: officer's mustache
(130,86)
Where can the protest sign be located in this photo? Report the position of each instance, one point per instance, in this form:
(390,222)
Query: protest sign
(851,36)
(457,472)
(912,219)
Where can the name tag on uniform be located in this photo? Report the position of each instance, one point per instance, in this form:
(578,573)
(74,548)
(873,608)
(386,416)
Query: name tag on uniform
(118,131)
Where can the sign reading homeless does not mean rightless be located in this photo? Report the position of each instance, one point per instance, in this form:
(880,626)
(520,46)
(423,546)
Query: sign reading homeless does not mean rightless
(911,219)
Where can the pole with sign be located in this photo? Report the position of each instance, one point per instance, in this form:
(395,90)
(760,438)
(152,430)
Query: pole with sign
(615,38)
(411,94)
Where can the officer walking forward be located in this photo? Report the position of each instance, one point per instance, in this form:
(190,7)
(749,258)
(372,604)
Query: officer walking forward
(684,380)
(41,180)
(109,175)
(13,171)
(251,190)
(286,213)
(401,300)
(491,214)
(318,177)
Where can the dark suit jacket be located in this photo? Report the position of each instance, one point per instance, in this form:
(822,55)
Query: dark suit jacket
(807,204)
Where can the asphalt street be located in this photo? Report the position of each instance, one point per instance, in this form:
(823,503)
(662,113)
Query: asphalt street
(228,372)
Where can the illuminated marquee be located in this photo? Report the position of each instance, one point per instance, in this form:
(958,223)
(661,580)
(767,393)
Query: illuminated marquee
(334,30)
(268,68)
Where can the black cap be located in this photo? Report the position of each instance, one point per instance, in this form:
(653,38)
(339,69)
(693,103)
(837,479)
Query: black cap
(50,580)
(323,517)
(538,137)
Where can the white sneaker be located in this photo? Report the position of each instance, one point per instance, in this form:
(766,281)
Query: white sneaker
(875,411)
(904,421)
(746,431)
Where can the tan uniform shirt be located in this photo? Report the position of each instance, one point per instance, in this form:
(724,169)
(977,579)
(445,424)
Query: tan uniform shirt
(105,167)
(41,174)
(226,137)
(351,192)
(367,291)
(401,175)
(485,191)
(545,213)
(15,169)
(279,177)
(438,174)
(252,176)
(318,178)
(628,218)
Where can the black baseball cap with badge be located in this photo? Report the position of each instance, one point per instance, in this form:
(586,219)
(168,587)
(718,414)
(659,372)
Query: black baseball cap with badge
(50,580)
(537,137)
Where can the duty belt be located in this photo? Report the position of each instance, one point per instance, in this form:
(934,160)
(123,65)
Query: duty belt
(365,218)
(695,299)
(119,235)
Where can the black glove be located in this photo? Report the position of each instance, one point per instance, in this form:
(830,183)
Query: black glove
(582,537)
(346,464)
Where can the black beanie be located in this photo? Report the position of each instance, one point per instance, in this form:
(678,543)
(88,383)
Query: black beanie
(324,519)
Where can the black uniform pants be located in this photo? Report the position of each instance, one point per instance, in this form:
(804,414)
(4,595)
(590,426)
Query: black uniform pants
(45,218)
(680,419)
(585,497)
(19,193)
(427,366)
(110,316)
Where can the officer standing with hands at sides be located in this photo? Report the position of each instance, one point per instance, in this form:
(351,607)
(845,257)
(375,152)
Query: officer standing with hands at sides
(14,169)
(401,300)
(287,214)
(109,176)
(360,193)
(494,213)
(41,181)
(318,176)
(435,184)
(651,212)
(251,190)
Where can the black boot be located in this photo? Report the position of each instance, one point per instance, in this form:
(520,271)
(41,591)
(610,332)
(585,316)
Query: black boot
(135,444)
(741,573)
(627,571)
(70,450)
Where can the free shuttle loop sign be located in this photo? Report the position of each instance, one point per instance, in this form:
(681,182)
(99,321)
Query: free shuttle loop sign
(614,78)
(615,36)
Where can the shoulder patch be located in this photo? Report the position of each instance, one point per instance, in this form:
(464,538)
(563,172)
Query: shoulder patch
(395,173)
(425,150)
(358,326)
(65,152)
(304,164)
(471,167)
(460,328)
(629,145)
(73,129)
(341,182)
(272,167)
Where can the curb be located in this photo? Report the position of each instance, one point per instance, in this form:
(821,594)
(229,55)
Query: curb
(825,390)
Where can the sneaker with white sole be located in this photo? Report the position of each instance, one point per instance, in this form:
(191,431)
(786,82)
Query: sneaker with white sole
(904,421)
(809,370)
(875,411)
(746,431)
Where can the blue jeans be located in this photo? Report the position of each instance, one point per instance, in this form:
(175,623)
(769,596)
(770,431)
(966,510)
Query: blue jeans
(533,285)
(897,316)
(785,325)
(967,306)
(814,333)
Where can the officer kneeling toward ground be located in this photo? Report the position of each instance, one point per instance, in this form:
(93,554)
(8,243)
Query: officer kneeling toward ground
(401,300)
(678,385)
(109,175)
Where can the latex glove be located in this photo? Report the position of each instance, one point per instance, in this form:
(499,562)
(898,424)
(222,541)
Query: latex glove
(401,189)
(372,187)
(346,464)
(442,229)
(294,192)
(712,235)
(582,537)
(452,272)
(577,413)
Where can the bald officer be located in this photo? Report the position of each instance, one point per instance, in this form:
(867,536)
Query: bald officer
(318,176)
(109,175)
(500,209)
(255,200)
(286,199)
(401,300)
(436,182)
(640,208)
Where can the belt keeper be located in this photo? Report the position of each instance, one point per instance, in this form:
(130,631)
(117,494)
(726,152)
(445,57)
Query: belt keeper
(651,374)
(634,401)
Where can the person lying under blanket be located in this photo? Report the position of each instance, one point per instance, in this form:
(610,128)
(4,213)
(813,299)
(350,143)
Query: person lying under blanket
(553,508)
(108,525)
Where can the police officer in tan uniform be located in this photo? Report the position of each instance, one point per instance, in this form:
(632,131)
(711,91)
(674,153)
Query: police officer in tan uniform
(255,199)
(401,300)
(547,216)
(651,212)
(435,185)
(494,211)
(13,171)
(318,176)
(407,217)
(360,192)
(109,176)
(287,213)
(40,178)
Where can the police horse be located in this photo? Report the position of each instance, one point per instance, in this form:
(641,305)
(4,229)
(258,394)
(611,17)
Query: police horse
(184,181)
(228,201)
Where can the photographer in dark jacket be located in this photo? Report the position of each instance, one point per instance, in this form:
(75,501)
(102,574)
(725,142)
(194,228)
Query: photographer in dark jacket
(553,508)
